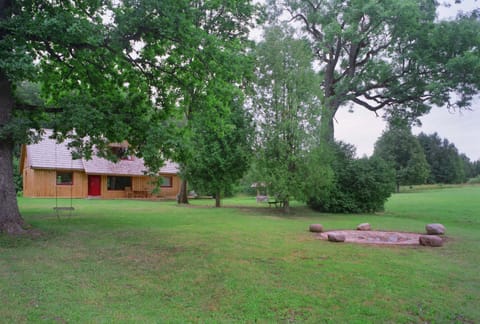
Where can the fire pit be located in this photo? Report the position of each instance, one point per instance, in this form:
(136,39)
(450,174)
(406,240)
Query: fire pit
(375,237)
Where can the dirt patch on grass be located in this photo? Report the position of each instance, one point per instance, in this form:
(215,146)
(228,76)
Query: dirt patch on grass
(375,237)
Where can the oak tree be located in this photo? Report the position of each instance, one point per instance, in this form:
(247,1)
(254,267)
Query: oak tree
(391,56)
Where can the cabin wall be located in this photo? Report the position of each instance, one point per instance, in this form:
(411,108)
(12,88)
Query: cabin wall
(110,194)
(147,184)
(173,190)
(42,183)
(27,177)
(142,185)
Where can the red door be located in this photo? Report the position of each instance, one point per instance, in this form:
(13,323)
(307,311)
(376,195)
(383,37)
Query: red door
(94,185)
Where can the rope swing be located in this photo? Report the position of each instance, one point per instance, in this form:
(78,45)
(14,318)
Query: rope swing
(57,208)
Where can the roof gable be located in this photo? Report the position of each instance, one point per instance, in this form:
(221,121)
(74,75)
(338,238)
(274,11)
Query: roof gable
(48,154)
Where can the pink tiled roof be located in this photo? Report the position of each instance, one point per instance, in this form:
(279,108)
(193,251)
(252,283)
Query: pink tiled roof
(123,167)
(47,154)
(135,166)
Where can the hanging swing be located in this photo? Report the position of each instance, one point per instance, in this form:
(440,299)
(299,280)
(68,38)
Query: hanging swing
(59,209)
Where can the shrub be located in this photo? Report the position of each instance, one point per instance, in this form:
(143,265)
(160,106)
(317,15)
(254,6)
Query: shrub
(359,185)
(475,180)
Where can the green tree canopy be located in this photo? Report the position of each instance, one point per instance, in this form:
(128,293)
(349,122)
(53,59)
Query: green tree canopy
(115,70)
(401,148)
(447,165)
(352,185)
(391,55)
(221,142)
(286,103)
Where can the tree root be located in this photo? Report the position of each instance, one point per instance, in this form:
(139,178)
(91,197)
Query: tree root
(13,228)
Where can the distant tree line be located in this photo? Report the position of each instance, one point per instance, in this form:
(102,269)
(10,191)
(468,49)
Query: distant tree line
(424,158)
(447,164)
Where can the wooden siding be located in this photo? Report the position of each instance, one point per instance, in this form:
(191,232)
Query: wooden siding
(172,191)
(42,183)
(144,184)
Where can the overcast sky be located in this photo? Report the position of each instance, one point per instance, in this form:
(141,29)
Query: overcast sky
(362,128)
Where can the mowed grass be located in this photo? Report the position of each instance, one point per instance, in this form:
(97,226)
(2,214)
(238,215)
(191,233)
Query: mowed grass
(142,261)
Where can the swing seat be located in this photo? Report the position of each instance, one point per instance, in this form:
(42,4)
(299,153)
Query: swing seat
(63,208)
(68,211)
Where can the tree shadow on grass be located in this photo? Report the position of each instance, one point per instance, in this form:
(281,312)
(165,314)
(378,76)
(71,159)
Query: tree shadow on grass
(293,213)
(29,237)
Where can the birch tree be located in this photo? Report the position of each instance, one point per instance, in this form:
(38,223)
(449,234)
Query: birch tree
(287,107)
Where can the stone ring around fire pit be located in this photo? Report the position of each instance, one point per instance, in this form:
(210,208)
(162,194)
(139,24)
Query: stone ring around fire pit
(373,237)
(364,234)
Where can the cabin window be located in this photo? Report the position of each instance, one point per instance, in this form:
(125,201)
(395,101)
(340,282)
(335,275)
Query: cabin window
(121,153)
(118,183)
(167,181)
(65,178)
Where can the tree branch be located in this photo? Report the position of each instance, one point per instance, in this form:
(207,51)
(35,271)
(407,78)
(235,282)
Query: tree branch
(28,107)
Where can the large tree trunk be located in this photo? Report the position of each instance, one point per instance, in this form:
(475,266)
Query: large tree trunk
(326,125)
(182,197)
(10,220)
(329,107)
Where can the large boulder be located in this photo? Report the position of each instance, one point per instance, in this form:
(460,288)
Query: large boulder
(435,229)
(364,227)
(316,228)
(336,237)
(430,240)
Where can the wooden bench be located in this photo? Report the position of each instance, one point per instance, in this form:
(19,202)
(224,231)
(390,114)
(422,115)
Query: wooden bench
(276,203)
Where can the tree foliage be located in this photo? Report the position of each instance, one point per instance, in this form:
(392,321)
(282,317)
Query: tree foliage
(116,71)
(217,55)
(446,163)
(356,185)
(400,147)
(286,104)
(388,55)
(220,142)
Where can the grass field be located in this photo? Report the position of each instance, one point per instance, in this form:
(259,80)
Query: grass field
(143,261)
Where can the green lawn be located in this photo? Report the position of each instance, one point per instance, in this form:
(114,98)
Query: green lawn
(142,261)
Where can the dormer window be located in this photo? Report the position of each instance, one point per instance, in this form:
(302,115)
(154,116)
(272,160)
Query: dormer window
(121,153)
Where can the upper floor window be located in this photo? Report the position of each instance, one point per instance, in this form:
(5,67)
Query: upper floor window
(121,153)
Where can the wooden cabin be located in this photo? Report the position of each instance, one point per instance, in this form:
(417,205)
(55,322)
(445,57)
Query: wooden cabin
(49,171)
